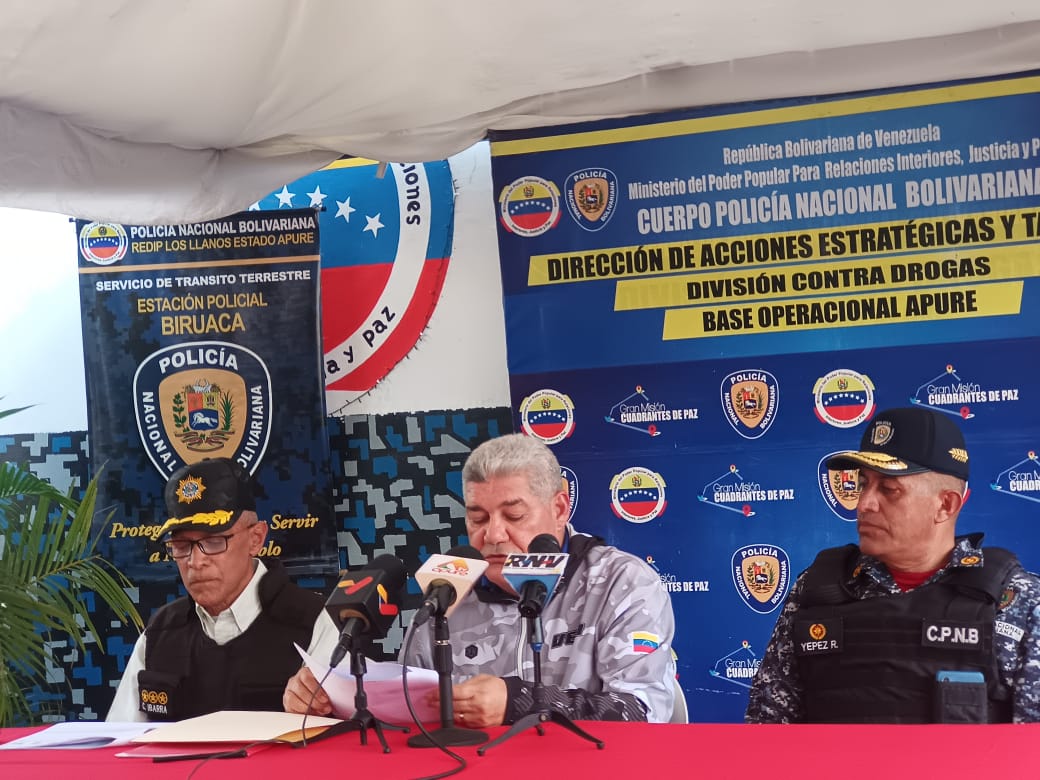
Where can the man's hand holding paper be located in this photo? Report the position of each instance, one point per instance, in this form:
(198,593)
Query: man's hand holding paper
(383,686)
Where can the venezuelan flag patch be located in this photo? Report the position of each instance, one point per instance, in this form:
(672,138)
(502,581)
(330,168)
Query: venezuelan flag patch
(644,642)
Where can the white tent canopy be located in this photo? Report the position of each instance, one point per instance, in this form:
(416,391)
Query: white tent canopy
(143,111)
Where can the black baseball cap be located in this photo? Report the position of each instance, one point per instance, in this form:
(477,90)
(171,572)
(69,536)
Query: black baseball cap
(207,496)
(908,440)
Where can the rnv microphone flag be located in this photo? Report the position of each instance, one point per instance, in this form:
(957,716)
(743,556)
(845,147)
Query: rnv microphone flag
(535,574)
(366,602)
(445,580)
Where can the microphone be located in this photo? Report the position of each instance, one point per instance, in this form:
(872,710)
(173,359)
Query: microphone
(445,580)
(366,602)
(535,574)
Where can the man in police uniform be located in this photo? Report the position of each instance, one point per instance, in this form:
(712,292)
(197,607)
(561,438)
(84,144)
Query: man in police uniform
(228,645)
(608,625)
(916,624)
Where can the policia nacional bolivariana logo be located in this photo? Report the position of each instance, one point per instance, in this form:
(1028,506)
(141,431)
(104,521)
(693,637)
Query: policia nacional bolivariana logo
(207,399)
(761,575)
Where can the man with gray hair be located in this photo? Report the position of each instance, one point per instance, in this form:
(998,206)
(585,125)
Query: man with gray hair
(608,625)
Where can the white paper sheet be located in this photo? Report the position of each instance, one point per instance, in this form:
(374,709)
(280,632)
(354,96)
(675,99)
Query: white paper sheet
(79,735)
(383,687)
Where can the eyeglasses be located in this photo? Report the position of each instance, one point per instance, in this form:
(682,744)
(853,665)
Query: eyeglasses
(210,545)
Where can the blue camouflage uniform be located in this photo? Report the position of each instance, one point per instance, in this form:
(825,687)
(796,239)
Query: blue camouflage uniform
(778,691)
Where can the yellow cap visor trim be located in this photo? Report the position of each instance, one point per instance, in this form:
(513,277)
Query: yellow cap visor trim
(873,460)
(217,518)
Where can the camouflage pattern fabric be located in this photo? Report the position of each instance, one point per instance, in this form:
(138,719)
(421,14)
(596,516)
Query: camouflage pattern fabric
(777,692)
(607,652)
(396,487)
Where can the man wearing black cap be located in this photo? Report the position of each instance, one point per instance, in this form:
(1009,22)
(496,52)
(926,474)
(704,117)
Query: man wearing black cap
(916,624)
(228,645)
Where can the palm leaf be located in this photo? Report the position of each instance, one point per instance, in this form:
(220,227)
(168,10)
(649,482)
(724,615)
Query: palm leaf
(17,482)
(8,412)
(48,561)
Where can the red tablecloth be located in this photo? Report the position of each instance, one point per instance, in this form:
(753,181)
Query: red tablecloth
(633,751)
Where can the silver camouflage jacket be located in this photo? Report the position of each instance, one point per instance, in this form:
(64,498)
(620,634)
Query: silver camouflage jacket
(607,652)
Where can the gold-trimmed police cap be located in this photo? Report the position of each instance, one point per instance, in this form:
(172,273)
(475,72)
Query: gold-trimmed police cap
(908,440)
(207,496)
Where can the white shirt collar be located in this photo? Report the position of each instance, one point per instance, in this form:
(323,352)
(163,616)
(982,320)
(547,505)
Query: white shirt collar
(239,616)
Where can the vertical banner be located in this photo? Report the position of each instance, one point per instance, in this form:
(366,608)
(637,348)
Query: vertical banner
(702,306)
(202,340)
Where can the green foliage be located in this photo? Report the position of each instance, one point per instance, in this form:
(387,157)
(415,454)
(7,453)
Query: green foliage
(227,410)
(180,420)
(6,412)
(48,560)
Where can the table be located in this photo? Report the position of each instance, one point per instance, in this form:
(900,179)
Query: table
(633,750)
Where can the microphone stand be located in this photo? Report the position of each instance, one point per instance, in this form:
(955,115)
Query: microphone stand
(448,733)
(541,712)
(363,719)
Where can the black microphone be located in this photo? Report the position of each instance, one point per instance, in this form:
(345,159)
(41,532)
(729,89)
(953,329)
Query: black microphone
(446,579)
(535,574)
(544,543)
(366,602)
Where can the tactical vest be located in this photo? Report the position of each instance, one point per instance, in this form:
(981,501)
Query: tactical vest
(187,674)
(924,656)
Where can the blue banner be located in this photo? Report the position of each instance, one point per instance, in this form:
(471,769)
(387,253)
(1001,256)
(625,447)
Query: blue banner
(702,306)
(202,340)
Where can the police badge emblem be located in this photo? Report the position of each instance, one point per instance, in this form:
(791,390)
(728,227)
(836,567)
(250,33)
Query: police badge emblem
(207,413)
(570,483)
(591,197)
(839,488)
(203,399)
(761,575)
(749,401)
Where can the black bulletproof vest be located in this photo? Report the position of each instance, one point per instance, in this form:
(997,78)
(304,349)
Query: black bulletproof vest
(880,660)
(187,674)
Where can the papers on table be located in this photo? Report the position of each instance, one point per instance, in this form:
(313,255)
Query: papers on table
(183,751)
(238,726)
(79,735)
(383,687)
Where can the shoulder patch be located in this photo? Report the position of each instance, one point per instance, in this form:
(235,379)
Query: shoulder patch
(1007,598)
(644,642)
(1014,633)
